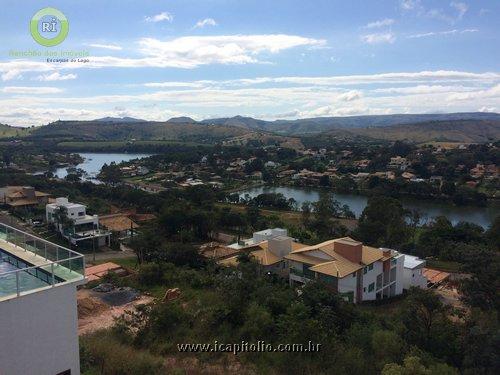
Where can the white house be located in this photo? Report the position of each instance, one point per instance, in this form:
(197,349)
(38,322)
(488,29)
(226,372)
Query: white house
(413,272)
(356,271)
(80,226)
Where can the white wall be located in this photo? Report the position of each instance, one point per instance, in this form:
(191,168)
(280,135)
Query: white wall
(38,333)
(371,277)
(399,273)
(414,277)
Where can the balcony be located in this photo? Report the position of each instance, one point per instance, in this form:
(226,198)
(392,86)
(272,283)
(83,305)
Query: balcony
(29,263)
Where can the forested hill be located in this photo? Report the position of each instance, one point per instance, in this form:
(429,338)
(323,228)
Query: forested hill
(321,124)
(108,131)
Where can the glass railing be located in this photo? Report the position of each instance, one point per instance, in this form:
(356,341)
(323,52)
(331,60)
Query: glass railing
(28,262)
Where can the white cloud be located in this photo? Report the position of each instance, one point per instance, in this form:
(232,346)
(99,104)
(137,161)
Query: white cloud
(267,97)
(30,90)
(460,7)
(163,16)
(454,13)
(350,96)
(410,4)
(446,32)
(422,89)
(379,38)
(205,22)
(193,51)
(185,52)
(380,23)
(113,47)
(487,109)
(56,76)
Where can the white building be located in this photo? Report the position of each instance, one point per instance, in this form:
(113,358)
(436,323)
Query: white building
(78,226)
(38,310)
(355,271)
(413,272)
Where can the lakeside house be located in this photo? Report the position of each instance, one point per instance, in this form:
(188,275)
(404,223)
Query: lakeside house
(355,271)
(22,197)
(268,247)
(73,223)
(38,308)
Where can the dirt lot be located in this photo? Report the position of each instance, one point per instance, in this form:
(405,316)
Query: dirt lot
(94,313)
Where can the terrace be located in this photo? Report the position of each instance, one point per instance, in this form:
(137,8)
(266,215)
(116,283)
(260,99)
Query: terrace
(29,264)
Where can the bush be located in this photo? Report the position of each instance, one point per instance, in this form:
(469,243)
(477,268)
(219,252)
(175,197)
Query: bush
(150,274)
(102,353)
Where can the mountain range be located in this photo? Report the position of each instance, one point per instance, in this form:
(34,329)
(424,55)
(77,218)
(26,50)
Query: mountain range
(447,127)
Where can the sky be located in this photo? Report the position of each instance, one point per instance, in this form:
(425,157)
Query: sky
(272,59)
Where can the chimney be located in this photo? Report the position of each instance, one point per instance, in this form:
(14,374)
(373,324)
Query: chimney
(349,249)
(280,246)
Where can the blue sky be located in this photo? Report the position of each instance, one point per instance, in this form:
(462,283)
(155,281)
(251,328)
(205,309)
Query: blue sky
(267,59)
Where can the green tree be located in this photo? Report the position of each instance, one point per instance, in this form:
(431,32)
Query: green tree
(383,223)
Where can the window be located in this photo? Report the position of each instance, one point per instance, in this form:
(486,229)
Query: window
(365,270)
(354,274)
(364,289)
(371,287)
(393,261)
(370,267)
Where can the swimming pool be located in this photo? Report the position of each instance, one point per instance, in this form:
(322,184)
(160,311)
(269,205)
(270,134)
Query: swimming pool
(27,281)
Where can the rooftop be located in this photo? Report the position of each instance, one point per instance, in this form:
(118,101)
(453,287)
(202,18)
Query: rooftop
(412,262)
(331,257)
(30,264)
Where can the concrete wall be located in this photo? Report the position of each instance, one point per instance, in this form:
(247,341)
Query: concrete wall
(39,334)
(414,277)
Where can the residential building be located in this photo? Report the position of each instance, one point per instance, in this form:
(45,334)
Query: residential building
(413,272)
(22,197)
(72,221)
(120,225)
(268,247)
(356,271)
(399,163)
(38,310)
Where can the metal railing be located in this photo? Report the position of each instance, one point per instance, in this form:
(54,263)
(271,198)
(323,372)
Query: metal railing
(40,263)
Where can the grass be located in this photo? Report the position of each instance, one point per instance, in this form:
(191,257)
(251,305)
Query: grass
(444,265)
(290,218)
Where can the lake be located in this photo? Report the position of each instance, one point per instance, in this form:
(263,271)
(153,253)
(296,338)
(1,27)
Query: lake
(94,161)
(482,216)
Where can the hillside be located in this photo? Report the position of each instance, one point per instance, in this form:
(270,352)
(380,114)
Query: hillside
(110,131)
(7,131)
(465,131)
(321,124)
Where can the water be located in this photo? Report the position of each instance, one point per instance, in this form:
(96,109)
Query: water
(482,216)
(8,281)
(94,161)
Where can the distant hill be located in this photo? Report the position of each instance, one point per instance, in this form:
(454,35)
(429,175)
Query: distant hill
(118,119)
(321,124)
(241,122)
(451,127)
(182,119)
(108,131)
(7,131)
(464,131)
